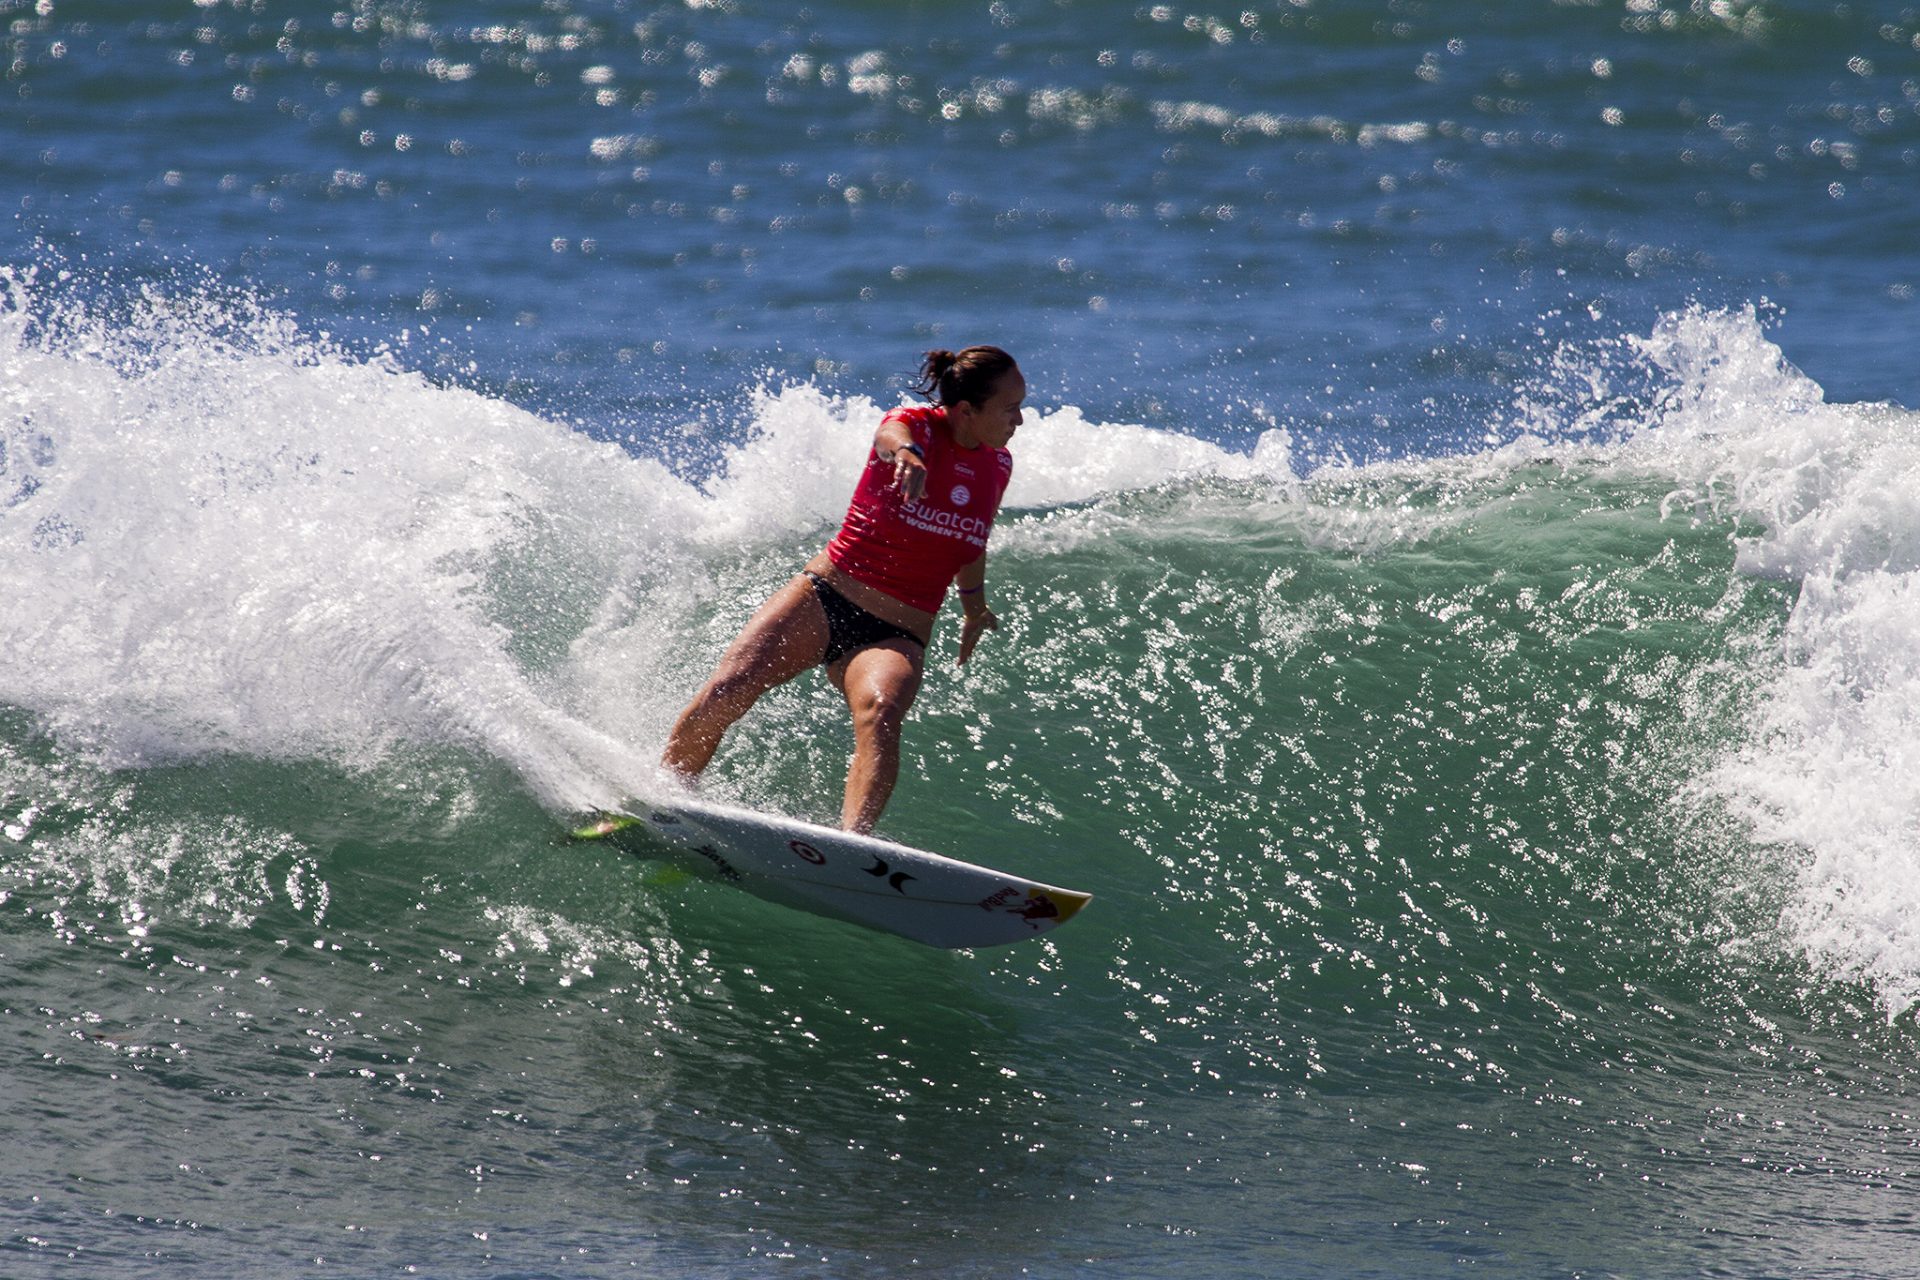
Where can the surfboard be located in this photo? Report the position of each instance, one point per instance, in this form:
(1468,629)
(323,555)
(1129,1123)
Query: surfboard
(929,898)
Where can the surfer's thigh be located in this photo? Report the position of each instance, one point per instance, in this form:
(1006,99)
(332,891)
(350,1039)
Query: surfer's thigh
(879,682)
(786,636)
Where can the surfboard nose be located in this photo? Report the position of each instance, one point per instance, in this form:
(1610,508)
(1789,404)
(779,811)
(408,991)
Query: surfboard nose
(1065,903)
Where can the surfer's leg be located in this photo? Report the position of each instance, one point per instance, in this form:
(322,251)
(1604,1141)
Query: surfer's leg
(787,636)
(879,683)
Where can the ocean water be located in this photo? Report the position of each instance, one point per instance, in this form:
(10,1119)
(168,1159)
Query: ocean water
(1459,593)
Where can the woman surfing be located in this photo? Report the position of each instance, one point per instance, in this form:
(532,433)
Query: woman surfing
(864,607)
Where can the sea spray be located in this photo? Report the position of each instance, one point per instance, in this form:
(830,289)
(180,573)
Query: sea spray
(229,539)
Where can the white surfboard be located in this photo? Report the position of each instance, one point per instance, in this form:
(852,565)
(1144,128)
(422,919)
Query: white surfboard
(940,901)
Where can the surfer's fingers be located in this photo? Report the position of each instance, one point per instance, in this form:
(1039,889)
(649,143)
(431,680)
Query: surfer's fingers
(909,475)
(970,634)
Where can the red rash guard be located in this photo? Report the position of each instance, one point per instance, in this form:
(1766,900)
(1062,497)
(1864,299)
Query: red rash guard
(911,550)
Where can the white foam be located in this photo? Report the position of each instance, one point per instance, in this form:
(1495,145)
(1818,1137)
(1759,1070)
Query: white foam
(216,536)
(1061,459)
(1743,432)
(1831,771)
(799,454)
(801,451)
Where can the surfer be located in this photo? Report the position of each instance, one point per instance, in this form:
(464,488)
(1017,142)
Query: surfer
(864,606)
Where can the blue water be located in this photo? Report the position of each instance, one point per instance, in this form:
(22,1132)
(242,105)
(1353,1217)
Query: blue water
(1457,599)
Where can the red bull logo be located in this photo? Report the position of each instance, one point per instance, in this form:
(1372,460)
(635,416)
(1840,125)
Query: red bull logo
(1035,908)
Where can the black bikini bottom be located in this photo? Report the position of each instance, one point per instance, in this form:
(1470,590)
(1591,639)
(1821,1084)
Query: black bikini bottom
(849,627)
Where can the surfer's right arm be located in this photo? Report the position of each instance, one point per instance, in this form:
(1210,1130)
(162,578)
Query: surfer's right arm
(894,445)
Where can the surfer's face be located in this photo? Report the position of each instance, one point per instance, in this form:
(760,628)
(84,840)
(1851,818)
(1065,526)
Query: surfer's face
(993,421)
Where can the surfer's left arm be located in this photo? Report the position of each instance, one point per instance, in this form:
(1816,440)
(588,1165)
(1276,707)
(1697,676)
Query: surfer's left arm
(972,584)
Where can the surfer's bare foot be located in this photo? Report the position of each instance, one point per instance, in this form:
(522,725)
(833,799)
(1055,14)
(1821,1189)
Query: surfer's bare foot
(596,825)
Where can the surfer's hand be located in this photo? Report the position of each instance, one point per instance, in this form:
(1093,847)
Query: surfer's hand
(909,475)
(977,625)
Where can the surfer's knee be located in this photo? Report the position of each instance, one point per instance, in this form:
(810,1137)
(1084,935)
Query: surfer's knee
(880,711)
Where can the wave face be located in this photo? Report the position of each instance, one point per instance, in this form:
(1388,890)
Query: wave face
(1526,835)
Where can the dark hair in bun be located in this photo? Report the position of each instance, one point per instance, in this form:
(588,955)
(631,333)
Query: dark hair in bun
(948,377)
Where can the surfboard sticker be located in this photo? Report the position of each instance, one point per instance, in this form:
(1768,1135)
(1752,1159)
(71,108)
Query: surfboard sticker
(927,897)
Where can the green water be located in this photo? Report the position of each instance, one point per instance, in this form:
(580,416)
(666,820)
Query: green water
(1412,947)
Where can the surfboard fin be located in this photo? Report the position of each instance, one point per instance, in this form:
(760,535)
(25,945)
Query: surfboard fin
(664,875)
